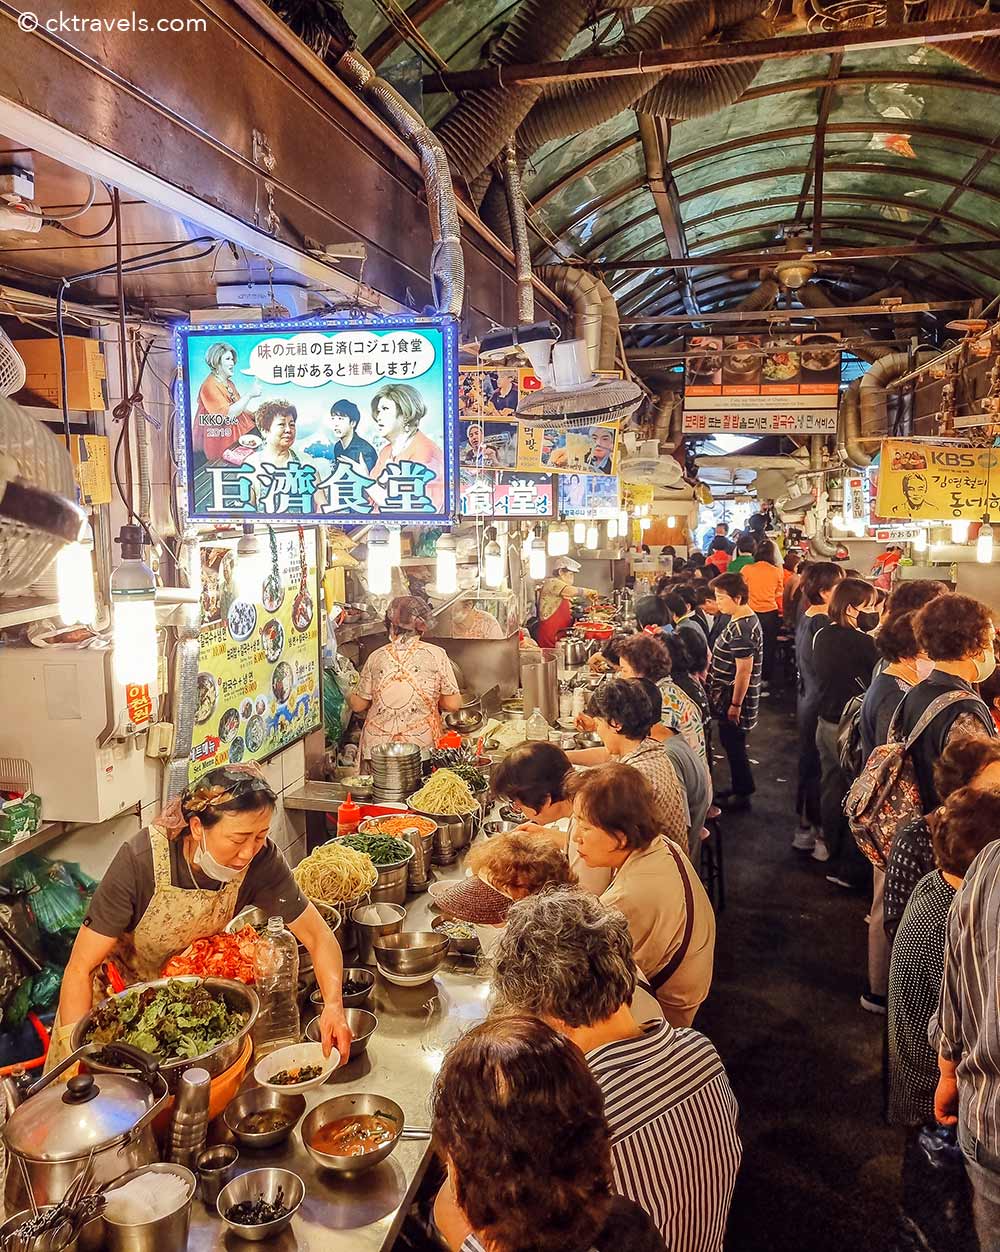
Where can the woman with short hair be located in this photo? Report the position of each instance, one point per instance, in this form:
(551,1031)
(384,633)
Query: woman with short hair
(765,583)
(519,865)
(616,825)
(397,410)
(519,1121)
(734,683)
(567,958)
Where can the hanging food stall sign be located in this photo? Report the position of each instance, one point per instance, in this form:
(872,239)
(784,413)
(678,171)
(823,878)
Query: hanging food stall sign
(320,420)
(893,534)
(491,495)
(791,415)
(582,450)
(258,668)
(937,482)
(588,495)
(754,365)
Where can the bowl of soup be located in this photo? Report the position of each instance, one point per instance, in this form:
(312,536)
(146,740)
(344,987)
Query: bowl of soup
(352,1133)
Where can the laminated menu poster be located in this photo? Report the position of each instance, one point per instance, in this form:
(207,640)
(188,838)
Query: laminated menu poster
(258,679)
(327,420)
(937,482)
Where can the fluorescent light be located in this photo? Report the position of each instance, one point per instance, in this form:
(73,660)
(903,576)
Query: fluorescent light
(537,567)
(612,525)
(250,569)
(75,580)
(920,540)
(446,567)
(671,521)
(492,564)
(379,565)
(395,540)
(593,539)
(645,523)
(959,531)
(984,544)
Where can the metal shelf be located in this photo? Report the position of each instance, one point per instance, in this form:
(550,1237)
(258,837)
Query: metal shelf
(45,834)
(16,610)
(358,630)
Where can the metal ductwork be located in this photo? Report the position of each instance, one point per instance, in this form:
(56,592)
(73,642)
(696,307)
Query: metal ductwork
(595,313)
(519,232)
(763,297)
(813,296)
(476,129)
(447,261)
(849,428)
(667,413)
(981,55)
(873,393)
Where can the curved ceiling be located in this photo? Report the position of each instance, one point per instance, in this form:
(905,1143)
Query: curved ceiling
(908,140)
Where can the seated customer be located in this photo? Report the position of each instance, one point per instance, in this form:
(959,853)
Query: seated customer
(519,865)
(567,959)
(960,829)
(648,660)
(623,717)
(616,825)
(519,1121)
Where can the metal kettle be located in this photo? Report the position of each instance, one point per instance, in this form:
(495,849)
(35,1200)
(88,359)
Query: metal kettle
(52,1132)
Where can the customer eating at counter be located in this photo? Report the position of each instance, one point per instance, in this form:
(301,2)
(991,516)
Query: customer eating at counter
(405,684)
(205,859)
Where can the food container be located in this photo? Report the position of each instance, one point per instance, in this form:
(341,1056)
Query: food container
(346,1106)
(411,953)
(362,1023)
(390,885)
(264,1182)
(459,947)
(354,999)
(237,995)
(295,1056)
(460,828)
(260,1100)
(163,1232)
(18,1219)
(58,1126)
(375,921)
(216,1167)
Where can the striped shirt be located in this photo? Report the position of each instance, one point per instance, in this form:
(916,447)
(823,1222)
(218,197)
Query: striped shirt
(674,1145)
(741,637)
(967,1026)
(471,1244)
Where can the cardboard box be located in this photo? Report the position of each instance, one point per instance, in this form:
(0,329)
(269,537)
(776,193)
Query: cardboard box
(85,371)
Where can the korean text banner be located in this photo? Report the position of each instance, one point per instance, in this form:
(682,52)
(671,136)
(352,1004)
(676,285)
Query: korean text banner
(937,482)
(486,494)
(258,680)
(789,415)
(588,495)
(326,420)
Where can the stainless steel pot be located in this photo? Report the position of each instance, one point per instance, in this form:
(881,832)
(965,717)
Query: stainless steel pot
(574,652)
(461,828)
(237,995)
(51,1135)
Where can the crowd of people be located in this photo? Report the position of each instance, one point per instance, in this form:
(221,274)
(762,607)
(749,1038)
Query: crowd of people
(591,1066)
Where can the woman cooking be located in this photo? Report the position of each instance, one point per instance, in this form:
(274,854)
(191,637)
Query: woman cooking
(205,859)
(405,685)
(555,614)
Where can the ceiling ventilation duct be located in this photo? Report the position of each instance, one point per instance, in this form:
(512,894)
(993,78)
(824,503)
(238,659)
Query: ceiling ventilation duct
(595,313)
(38,515)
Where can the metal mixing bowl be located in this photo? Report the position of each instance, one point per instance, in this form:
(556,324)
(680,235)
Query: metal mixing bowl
(462,947)
(353,1001)
(362,1024)
(257,1100)
(411,952)
(345,1106)
(264,1182)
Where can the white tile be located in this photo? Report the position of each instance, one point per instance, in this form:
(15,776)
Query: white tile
(295,852)
(293,765)
(272,772)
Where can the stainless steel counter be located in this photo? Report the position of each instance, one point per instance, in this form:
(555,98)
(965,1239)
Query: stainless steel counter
(416,1025)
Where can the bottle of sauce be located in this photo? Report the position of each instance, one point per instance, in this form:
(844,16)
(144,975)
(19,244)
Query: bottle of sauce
(348,818)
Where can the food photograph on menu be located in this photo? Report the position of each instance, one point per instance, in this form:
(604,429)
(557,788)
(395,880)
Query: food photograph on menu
(320,420)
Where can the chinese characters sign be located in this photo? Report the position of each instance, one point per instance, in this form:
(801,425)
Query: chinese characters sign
(326,420)
(486,494)
(787,415)
(937,482)
(751,365)
(258,680)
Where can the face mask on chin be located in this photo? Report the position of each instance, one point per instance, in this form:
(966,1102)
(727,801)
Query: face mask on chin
(985,664)
(212,868)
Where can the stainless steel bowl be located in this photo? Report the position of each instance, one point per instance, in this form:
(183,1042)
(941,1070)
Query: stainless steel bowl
(411,952)
(258,1100)
(362,1024)
(264,1182)
(461,947)
(237,995)
(490,829)
(346,1106)
(588,739)
(465,721)
(353,1000)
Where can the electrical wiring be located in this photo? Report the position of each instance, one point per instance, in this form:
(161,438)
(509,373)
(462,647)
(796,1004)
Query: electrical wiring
(50,216)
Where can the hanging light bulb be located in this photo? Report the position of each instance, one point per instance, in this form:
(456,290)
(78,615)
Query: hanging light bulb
(75,580)
(645,523)
(379,565)
(612,526)
(251,567)
(558,539)
(133,613)
(671,521)
(984,543)
(492,560)
(537,568)
(920,540)
(623,523)
(593,538)
(579,532)
(395,546)
(858,527)
(446,567)
(959,531)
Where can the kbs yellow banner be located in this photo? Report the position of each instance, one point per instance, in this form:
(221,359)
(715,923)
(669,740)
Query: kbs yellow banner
(937,482)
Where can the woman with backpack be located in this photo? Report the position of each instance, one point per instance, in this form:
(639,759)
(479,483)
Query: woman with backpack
(844,656)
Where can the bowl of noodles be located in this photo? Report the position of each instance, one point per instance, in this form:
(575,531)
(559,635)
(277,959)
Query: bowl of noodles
(337,877)
(451,802)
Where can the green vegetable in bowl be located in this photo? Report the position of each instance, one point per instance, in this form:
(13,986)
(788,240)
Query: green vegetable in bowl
(180,1021)
(383,849)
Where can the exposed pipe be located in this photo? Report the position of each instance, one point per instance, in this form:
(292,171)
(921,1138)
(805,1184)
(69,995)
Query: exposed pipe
(447,261)
(595,312)
(184,676)
(849,428)
(667,412)
(763,297)
(813,296)
(981,55)
(873,396)
(816,443)
(519,232)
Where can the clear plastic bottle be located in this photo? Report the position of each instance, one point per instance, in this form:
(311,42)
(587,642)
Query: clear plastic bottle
(277,1024)
(538,727)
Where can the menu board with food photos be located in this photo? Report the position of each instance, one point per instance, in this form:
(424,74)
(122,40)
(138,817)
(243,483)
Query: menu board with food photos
(757,365)
(258,672)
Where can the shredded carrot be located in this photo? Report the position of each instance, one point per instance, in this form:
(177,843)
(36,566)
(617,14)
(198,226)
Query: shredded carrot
(409,821)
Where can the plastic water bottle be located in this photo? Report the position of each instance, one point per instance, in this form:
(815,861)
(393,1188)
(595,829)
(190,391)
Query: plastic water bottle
(538,727)
(277,1025)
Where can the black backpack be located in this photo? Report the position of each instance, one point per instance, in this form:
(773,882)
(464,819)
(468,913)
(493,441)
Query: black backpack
(849,749)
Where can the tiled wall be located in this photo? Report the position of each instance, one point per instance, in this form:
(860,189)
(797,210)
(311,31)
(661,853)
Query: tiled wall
(94,847)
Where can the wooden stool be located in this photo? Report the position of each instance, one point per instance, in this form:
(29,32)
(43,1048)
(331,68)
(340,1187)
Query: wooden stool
(712,869)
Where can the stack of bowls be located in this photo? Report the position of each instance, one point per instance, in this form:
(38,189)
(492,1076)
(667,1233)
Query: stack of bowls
(395,771)
(410,958)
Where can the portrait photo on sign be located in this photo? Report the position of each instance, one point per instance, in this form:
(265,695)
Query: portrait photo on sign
(344,420)
(489,445)
(585,450)
(485,392)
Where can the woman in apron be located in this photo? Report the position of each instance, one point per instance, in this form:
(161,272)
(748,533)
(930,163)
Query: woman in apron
(405,685)
(205,859)
(555,614)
